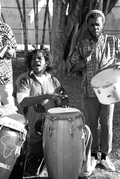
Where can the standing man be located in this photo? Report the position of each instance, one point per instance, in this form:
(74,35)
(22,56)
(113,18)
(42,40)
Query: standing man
(8,48)
(92,55)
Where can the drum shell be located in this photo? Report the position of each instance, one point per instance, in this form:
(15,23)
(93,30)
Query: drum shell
(63,147)
(10,142)
(108,94)
(107,88)
(12,136)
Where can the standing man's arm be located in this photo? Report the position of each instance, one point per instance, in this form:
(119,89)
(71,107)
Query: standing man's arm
(76,62)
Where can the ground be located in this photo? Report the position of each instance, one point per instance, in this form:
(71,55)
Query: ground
(72,86)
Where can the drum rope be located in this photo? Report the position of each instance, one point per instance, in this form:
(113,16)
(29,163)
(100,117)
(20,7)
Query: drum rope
(1,126)
(70,119)
(22,138)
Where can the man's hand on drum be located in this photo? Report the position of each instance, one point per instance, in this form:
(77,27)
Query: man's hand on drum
(60,100)
(53,96)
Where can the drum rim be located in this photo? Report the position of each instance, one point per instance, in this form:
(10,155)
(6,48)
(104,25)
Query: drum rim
(16,125)
(104,85)
(64,109)
(64,113)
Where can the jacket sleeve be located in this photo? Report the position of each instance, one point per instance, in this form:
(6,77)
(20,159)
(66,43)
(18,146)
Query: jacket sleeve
(75,57)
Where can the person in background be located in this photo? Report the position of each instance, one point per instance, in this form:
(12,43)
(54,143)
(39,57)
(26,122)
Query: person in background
(90,56)
(8,47)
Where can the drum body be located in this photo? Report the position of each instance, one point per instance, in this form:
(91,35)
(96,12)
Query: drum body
(12,136)
(106,85)
(63,143)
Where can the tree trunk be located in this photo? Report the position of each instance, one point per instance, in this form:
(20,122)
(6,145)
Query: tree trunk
(58,36)
(44,23)
(49,25)
(107,7)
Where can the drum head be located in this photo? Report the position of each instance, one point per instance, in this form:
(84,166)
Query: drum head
(64,112)
(105,77)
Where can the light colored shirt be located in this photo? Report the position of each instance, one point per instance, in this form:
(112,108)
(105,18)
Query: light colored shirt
(103,54)
(27,85)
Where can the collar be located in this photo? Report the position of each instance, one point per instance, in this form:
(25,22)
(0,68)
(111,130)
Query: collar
(100,38)
(48,75)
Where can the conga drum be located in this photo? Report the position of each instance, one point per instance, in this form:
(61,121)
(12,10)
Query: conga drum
(106,85)
(12,136)
(63,143)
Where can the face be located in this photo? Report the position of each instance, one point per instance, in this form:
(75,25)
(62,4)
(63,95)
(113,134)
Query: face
(38,63)
(95,26)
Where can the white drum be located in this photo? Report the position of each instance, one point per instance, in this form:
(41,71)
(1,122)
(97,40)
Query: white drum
(106,85)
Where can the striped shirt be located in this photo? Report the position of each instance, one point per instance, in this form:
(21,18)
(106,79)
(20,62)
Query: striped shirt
(6,37)
(101,55)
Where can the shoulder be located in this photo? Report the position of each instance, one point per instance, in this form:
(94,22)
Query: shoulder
(54,80)
(22,76)
(111,37)
(6,27)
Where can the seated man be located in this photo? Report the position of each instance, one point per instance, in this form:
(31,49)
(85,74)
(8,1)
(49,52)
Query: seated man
(36,92)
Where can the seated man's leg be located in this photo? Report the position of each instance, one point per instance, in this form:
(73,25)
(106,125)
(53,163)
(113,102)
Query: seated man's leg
(33,159)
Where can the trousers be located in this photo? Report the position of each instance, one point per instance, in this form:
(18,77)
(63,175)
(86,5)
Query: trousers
(93,111)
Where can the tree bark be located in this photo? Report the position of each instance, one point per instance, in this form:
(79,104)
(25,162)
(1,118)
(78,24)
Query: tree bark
(58,36)
(44,23)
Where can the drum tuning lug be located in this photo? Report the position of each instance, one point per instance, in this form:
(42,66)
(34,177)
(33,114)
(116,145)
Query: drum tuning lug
(1,126)
(51,129)
(71,132)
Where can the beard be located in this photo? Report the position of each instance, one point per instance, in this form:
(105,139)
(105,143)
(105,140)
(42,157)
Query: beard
(95,36)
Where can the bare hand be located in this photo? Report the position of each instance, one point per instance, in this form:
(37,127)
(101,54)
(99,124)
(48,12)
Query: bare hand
(87,56)
(54,96)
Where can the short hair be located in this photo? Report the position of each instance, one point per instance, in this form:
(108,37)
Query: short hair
(46,54)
